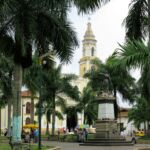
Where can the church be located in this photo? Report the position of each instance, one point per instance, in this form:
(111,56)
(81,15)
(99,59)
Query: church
(88,53)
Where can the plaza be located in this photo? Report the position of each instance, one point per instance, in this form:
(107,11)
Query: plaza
(75,146)
(75,76)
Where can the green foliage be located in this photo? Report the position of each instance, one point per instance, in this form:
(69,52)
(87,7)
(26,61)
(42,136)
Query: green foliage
(6,68)
(88,105)
(137,55)
(23,23)
(140,112)
(136,23)
(122,83)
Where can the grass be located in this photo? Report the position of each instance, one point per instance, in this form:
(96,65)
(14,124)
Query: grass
(66,137)
(5,147)
(33,147)
(3,138)
(144,140)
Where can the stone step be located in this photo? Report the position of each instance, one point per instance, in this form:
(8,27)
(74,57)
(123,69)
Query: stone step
(107,144)
(112,139)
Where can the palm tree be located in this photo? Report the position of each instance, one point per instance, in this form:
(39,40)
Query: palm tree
(56,87)
(137,23)
(136,54)
(112,68)
(30,81)
(24,22)
(6,84)
(48,111)
(88,105)
(140,113)
(122,83)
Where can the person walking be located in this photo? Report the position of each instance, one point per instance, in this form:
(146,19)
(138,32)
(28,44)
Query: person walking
(36,134)
(85,134)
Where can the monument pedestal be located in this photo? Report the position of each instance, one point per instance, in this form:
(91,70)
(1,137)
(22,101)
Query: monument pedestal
(106,125)
(107,129)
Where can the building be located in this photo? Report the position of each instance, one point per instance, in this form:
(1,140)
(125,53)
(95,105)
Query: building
(88,53)
(122,119)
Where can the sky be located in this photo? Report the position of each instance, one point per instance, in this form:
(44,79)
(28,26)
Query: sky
(107,27)
(108,30)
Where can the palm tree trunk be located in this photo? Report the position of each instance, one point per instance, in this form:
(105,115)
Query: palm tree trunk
(115,92)
(145,127)
(53,115)
(47,128)
(116,110)
(9,116)
(0,121)
(17,83)
(32,110)
(149,19)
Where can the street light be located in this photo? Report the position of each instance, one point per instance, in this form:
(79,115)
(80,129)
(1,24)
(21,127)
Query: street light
(44,63)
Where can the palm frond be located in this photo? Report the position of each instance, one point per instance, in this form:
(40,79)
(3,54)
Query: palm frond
(136,23)
(59,115)
(87,6)
(134,54)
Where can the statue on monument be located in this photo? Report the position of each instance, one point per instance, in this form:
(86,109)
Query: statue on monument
(105,85)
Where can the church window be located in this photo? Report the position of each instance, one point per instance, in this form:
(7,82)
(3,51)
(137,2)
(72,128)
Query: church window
(28,108)
(92,51)
(28,120)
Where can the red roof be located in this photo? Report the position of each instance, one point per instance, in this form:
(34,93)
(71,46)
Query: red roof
(25,94)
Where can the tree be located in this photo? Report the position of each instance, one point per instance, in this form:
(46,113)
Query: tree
(88,105)
(137,22)
(30,81)
(57,87)
(6,66)
(123,83)
(24,22)
(23,16)
(140,113)
(136,55)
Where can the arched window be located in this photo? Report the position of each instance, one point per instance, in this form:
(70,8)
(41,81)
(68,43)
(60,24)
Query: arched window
(28,108)
(28,120)
(92,51)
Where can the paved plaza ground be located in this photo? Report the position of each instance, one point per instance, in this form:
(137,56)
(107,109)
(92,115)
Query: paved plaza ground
(75,146)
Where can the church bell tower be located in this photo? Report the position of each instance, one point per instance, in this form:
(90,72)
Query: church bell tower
(88,50)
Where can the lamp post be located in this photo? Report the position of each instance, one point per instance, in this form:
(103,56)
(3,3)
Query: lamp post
(42,62)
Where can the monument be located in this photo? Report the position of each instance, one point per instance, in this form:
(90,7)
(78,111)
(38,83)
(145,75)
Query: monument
(106,125)
(107,129)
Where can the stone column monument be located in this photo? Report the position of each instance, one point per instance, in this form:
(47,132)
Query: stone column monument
(106,125)
(107,130)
